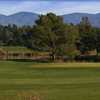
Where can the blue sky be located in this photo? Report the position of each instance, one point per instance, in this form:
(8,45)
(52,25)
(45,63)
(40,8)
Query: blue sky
(44,6)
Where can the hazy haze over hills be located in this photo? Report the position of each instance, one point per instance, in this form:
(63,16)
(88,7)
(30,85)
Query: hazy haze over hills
(27,18)
(21,18)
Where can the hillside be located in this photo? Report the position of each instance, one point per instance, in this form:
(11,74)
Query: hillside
(27,18)
(76,17)
(22,18)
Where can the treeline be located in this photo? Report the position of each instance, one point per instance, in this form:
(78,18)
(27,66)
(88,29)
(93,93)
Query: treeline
(51,34)
(13,35)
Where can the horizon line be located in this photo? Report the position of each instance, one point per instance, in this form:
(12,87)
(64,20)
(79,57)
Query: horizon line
(48,12)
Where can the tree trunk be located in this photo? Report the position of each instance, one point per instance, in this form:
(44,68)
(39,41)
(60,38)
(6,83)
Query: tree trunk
(52,56)
(97,51)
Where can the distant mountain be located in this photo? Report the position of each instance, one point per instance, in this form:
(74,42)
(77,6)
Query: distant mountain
(22,18)
(26,18)
(75,18)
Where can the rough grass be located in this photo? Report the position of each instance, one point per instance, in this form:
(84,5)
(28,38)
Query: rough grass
(67,65)
(20,49)
(49,81)
(15,49)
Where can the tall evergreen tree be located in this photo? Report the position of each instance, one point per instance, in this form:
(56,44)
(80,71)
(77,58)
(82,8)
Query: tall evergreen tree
(50,33)
(87,36)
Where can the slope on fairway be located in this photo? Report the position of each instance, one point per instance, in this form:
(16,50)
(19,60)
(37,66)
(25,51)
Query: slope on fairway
(63,81)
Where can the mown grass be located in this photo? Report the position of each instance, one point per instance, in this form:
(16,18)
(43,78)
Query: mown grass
(49,81)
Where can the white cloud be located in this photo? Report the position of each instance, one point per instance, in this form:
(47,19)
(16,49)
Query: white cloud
(43,7)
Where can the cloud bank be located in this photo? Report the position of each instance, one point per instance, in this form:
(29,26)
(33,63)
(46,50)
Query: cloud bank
(43,7)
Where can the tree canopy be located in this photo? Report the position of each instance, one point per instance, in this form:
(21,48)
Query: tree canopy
(51,34)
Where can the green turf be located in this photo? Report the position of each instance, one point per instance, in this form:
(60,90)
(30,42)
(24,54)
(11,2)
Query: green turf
(15,49)
(22,80)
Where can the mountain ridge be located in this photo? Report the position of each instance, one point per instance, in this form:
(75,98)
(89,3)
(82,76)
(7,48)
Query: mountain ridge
(20,19)
(28,18)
